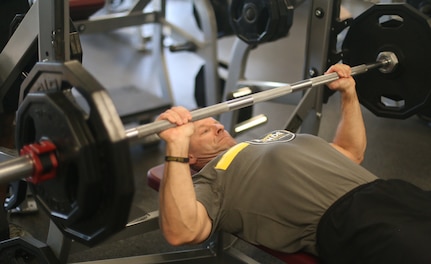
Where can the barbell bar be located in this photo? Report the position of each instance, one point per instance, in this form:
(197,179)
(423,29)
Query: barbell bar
(386,61)
(33,164)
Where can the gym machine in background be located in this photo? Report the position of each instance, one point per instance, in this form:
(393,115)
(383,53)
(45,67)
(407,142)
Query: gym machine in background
(253,28)
(204,45)
(247,16)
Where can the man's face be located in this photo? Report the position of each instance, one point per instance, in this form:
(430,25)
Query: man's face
(209,139)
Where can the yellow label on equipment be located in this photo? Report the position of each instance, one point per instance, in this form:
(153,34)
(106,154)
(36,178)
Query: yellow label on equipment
(228,157)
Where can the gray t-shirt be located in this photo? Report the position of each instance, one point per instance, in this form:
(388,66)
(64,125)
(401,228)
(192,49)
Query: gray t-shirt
(273,191)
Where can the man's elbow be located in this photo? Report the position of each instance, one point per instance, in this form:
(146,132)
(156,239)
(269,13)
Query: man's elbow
(175,240)
(359,158)
(180,239)
(360,154)
(355,155)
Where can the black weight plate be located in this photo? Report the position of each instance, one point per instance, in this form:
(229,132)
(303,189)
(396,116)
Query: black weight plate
(401,29)
(254,21)
(73,193)
(286,19)
(95,170)
(17,194)
(26,250)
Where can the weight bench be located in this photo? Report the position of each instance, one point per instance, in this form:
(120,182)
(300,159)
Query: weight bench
(154,177)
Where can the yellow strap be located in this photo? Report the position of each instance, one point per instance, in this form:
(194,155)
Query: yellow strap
(228,157)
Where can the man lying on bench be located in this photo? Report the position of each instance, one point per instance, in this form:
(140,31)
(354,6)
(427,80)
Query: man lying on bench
(291,192)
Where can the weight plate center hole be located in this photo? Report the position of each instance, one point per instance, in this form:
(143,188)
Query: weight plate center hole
(250,13)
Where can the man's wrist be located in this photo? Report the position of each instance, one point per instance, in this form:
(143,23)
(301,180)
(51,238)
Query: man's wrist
(177,159)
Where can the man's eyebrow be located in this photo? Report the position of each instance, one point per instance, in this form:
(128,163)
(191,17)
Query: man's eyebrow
(199,125)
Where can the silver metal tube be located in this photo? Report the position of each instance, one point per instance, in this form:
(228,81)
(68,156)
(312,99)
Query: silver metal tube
(139,132)
(15,169)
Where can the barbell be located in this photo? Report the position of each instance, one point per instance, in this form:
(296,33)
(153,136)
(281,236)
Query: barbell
(77,162)
(76,157)
(386,62)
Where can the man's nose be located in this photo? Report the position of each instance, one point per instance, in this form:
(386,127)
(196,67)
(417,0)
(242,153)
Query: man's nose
(219,128)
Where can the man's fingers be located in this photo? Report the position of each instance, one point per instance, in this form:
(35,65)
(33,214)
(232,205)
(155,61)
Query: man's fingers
(176,115)
(341,69)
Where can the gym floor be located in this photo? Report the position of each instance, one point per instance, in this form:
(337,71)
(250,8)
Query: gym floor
(396,148)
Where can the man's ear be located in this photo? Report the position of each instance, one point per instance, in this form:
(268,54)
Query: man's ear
(192,159)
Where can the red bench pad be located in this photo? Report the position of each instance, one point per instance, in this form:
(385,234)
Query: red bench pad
(82,9)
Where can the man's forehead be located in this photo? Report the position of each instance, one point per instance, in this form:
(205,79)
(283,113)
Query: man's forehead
(205,121)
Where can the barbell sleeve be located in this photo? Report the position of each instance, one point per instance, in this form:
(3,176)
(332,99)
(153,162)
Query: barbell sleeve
(15,169)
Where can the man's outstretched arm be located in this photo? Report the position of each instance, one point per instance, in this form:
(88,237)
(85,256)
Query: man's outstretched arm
(183,219)
(350,137)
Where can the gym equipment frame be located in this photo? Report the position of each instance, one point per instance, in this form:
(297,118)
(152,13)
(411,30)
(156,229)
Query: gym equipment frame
(205,45)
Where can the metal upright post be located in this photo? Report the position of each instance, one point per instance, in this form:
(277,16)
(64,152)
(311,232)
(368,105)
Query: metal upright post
(54,46)
(18,52)
(54,29)
(237,65)
(316,62)
(158,51)
(208,51)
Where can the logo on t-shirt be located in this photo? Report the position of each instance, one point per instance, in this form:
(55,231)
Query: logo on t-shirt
(275,136)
